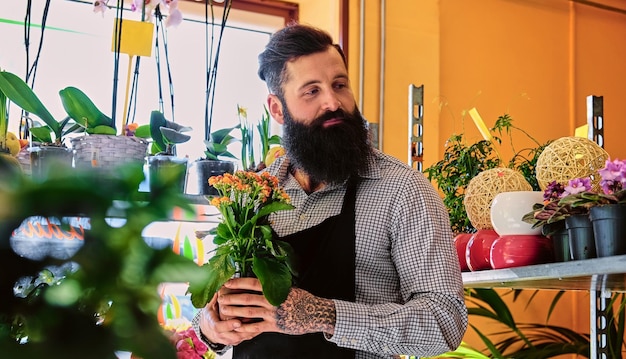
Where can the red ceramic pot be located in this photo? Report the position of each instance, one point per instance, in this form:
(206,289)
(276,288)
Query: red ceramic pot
(520,250)
(460,242)
(478,249)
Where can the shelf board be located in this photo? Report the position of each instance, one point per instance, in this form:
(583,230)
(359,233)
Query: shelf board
(608,273)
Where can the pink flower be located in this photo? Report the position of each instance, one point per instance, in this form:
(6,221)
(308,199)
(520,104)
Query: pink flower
(613,176)
(577,185)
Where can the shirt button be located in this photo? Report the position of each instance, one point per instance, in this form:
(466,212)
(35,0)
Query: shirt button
(303,217)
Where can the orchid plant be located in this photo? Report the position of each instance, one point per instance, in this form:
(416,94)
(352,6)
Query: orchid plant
(148,7)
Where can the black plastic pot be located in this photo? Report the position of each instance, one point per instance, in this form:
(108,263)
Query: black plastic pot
(560,240)
(170,169)
(209,168)
(581,240)
(609,229)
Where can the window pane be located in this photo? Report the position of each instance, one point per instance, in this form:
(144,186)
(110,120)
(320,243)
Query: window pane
(77,52)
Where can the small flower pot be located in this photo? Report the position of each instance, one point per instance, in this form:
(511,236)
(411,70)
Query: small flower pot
(167,169)
(45,161)
(558,235)
(520,250)
(478,249)
(609,229)
(209,168)
(581,240)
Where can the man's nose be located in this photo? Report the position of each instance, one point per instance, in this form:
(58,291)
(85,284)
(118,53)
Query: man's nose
(331,101)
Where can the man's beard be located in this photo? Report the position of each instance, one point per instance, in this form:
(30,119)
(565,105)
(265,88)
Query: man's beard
(328,155)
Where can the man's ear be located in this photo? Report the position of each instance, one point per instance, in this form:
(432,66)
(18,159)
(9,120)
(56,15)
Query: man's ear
(275,107)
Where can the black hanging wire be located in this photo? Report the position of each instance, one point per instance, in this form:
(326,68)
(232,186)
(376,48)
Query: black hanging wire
(163,34)
(157,57)
(31,70)
(116,55)
(212,61)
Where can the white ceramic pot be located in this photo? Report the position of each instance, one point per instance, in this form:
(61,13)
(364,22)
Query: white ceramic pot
(508,208)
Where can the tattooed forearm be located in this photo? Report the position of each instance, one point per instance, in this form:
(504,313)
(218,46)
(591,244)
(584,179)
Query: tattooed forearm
(304,313)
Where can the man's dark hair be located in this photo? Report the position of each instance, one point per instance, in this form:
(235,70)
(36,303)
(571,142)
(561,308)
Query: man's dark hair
(287,44)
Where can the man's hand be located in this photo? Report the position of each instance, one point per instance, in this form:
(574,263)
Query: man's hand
(221,331)
(301,313)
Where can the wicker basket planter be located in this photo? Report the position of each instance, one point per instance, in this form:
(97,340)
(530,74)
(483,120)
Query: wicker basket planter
(106,152)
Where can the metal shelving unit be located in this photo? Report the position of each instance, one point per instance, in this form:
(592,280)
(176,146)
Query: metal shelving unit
(599,276)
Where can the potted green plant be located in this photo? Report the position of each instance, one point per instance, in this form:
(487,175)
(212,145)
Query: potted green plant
(162,161)
(462,161)
(245,244)
(216,161)
(52,151)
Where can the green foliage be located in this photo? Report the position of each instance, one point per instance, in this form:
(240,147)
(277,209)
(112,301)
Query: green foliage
(244,240)
(520,340)
(110,302)
(462,162)
(79,107)
(165,134)
(217,144)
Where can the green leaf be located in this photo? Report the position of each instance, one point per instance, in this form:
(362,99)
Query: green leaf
(22,95)
(272,207)
(79,107)
(102,130)
(223,231)
(275,278)
(173,136)
(42,134)
(220,268)
(143,131)
(246,230)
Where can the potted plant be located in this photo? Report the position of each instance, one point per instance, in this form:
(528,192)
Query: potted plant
(462,161)
(52,150)
(606,207)
(216,161)
(162,161)
(245,244)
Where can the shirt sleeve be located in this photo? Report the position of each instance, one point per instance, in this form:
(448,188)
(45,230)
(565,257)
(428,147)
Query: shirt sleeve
(430,316)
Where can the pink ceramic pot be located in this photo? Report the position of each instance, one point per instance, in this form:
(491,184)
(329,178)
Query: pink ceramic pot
(478,249)
(460,242)
(520,250)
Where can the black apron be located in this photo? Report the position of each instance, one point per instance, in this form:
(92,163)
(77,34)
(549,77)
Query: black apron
(326,259)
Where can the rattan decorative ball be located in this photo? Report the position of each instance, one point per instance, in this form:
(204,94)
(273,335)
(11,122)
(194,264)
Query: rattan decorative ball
(484,187)
(568,158)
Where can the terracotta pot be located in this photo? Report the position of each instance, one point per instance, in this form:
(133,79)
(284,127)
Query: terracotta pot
(460,242)
(478,249)
(520,250)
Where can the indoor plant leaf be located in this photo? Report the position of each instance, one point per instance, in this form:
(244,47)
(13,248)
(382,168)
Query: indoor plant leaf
(275,278)
(80,107)
(220,268)
(22,95)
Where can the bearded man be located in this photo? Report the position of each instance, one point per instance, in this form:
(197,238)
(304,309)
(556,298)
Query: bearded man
(379,276)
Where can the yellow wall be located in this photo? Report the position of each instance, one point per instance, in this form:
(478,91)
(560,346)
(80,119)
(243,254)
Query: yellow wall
(535,60)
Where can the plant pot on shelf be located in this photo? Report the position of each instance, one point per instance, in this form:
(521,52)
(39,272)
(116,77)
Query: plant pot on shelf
(209,168)
(103,153)
(558,235)
(167,169)
(580,236)
(609,229)
(520,250)
(46,160)
(460,243)
(478,249)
